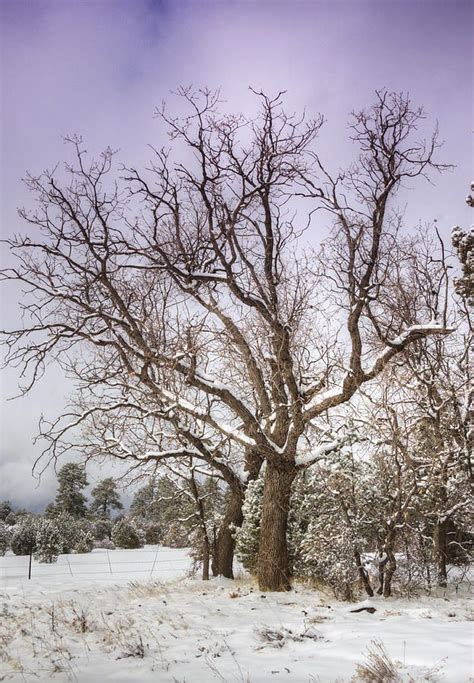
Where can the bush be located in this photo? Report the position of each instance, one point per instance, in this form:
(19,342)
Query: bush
(85,542)
(48,541)
(102,529)
(5,538)
(24,537)
(126,535)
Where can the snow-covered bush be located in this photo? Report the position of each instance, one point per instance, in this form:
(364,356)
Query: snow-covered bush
(248,536)
(126,535)
(104,544)
(85,542)
(48,541)
(102,529)
(5,538)
(24,536)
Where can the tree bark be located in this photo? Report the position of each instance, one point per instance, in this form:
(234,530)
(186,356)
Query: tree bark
(273,562)
(225,541)
(389,572)
(364,577)
(440,540)
(206,555)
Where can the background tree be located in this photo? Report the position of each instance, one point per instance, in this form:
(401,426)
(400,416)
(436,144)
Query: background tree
(105,498)
(5,509)
(72,481)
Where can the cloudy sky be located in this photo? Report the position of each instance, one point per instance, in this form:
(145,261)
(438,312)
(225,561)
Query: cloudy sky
(99,68)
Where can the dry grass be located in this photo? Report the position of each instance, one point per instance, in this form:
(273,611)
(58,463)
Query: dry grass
(379,667)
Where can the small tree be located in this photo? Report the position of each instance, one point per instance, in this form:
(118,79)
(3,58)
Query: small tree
(5,538)
(24,536)
(126,535)
(5,509)
(248,535)
(48,541)
(105,498)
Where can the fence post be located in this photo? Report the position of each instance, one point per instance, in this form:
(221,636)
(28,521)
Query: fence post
(154,562)
(110,565)
(29,564)
(69,565)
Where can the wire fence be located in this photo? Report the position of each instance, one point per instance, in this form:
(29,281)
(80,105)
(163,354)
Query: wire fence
(101,564)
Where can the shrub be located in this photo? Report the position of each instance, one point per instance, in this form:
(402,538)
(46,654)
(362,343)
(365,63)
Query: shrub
(48,541)
(24,537)
(126,535)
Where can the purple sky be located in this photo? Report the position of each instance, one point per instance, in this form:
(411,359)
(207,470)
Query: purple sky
(99,69)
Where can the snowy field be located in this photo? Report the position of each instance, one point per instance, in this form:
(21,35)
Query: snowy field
(129,616)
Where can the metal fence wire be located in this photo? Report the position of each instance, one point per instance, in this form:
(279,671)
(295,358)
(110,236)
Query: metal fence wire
(87,564)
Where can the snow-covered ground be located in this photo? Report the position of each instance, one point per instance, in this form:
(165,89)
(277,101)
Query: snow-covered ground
(129,616)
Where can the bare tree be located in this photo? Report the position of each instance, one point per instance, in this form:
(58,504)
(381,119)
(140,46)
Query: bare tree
(189,279)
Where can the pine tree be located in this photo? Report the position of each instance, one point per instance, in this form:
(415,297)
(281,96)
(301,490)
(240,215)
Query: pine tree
(105,498)
(72,481)
(5,509)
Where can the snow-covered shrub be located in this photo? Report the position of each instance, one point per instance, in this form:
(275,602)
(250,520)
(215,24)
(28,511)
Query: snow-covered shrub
(176,535)
(69,529)
(48,541)
(153,533)
(11,519)
(5,538)
(248,536)
(126,535)
(85,542)
(102,529)
(24,536)
(104,544)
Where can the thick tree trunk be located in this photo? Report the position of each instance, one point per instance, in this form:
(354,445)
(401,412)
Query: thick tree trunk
(272,565)
(225,541)
(441,547)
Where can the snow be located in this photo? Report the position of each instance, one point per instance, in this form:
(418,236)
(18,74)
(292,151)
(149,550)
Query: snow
(105,627)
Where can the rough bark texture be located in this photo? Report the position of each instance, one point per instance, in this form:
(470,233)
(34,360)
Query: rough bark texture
(225,541)
(364,577)
(206,555)
(440,540)
(272,568)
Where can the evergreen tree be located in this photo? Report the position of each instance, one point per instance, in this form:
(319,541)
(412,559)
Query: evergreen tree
(126,535)
(5,509)
(24,536)
(48,541)
(5,538)
(105,498)
(247,537)
(72,481)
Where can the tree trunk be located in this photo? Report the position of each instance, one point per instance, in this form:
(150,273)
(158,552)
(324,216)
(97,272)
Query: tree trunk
(364,577)
(225,541)
(440,540)
(214,559)
(206,555)
(389,572)
(272,566)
